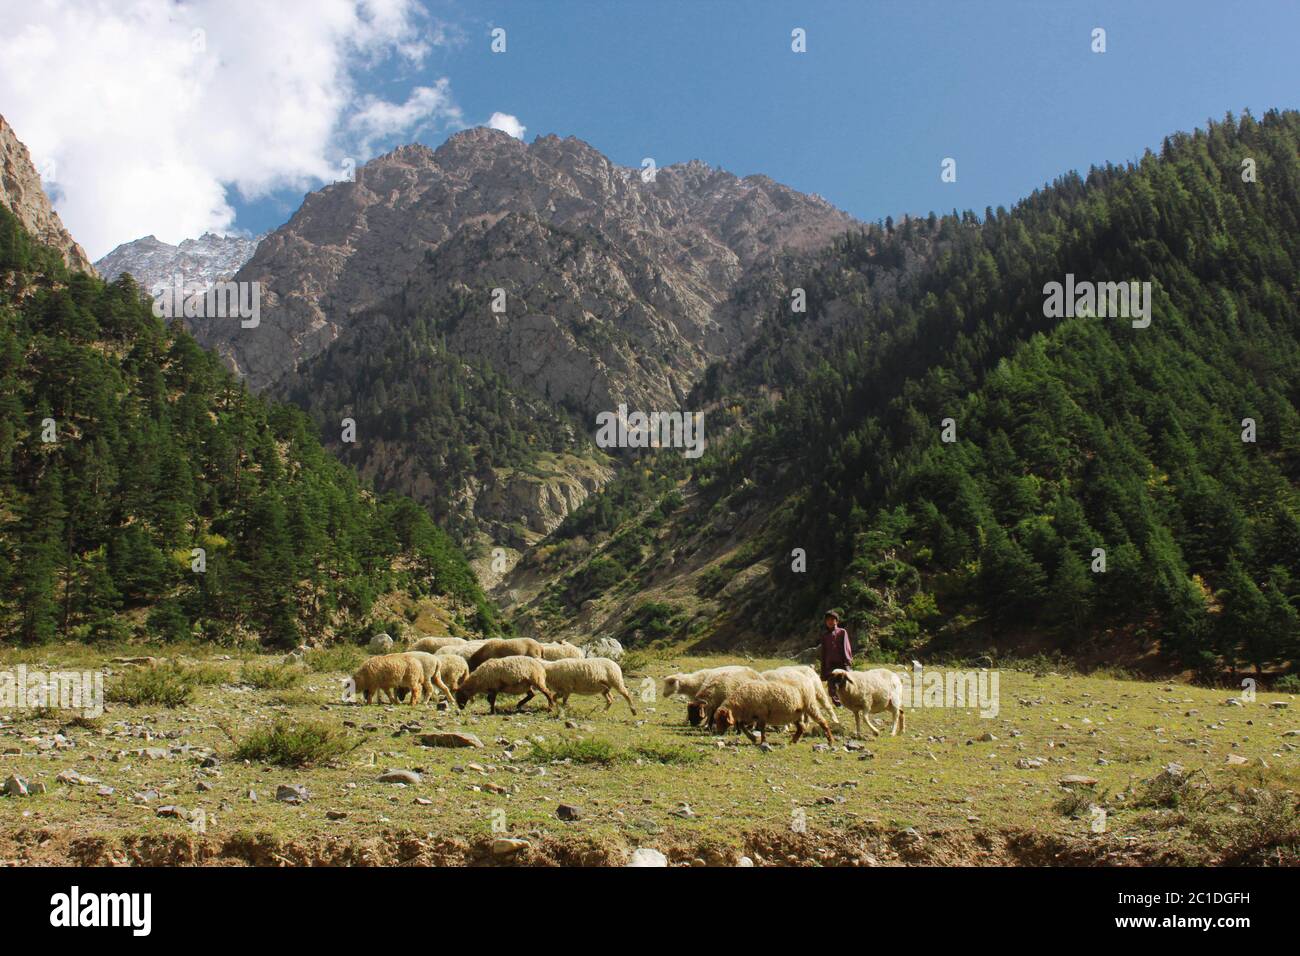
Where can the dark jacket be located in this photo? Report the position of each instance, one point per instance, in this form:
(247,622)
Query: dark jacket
(836,651)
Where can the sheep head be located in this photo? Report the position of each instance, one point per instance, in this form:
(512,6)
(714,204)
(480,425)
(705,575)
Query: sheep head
(723,719)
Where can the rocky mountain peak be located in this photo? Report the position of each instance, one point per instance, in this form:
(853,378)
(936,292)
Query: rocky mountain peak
(652,262)
(22,194)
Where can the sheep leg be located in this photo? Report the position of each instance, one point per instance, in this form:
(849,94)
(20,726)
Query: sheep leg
(874,729)
(899,720)
(492,701)
(762,733)
(609,700)
(857,722)
(798,730)
(550,698)
(830,738)
(627,697)
(442,686)
(416,690)
(525,699)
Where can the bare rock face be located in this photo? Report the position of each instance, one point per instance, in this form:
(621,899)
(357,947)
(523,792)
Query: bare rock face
(199,262)
(22,194)
(612,283)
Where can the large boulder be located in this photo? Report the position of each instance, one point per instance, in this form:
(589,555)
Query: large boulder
(604,647)
(381,644)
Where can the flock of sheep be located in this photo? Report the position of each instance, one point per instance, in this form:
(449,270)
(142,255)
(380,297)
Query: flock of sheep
(725,698)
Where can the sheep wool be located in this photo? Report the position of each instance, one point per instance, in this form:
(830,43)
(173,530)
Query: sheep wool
(591,675)
(871,692)
(809,684)
(497,647)
(711,696)
(765,703)
(432,645)
(506,675)
(386,673)
(561,651)
(688,685)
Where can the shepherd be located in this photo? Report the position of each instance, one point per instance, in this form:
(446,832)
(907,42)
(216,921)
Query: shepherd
(836,650)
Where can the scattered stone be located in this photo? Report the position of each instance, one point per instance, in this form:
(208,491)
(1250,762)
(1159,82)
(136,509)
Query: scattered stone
(75,779)
(292,793)
(336,814)
(988,737)
(1030,763)
(1236,760)
(381,644)
(450,739)
(1078,780)
(409,777)
(16,786)
(744,861)
(567,811)
(644,856)
(508,846)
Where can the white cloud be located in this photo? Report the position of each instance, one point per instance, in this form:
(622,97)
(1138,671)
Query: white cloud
(150,109)
(507,124)
(378,119)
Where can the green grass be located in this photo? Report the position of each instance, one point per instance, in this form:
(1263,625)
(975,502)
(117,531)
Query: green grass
(169,685)
(630,775)
(604,753)
(337,657)
(600,752)
(271,676)
(295,744)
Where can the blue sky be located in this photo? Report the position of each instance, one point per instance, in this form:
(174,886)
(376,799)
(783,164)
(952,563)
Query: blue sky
(887,90)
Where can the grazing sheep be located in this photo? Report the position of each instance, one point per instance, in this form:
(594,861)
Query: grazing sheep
(506,675)
(767,703)
(810,685)
(711,696)
(561,651)
(591,675)
(432,645)
(870,692)
(388,672)
(689,685)
(465,650)
(515,647)
(444,671)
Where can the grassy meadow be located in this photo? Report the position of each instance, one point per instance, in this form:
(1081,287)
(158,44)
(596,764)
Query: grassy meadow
(185,764)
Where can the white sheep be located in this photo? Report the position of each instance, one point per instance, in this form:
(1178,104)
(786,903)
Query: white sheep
(465,650)
(444,671)
(810,685)
(501,647)
(506,675)
(711,696)
(688,685)
(591,675)
(870,692)
(386,673)
(432,645)
(561,651)
(767,703)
